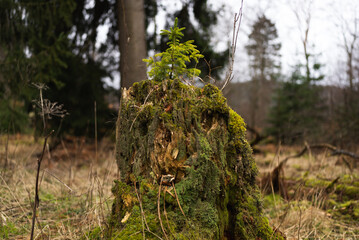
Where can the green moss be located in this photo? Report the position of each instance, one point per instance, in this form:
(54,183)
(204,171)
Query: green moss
(47,197)
(342,187)
(345,211)
(271,200)
(9,230)
(352,192)
(123,203)
(317,183)
(213,100)
(94,234)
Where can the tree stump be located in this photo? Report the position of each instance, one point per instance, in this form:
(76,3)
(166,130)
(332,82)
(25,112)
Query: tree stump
(186,168)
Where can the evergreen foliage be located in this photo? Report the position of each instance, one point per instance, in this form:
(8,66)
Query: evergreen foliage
(347,118)
(264,65)
(174,60)
(263,50)
(40,42)
(199,18)
(82,88)
(298,108)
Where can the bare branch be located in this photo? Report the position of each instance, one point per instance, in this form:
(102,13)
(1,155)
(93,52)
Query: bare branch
(37,200)
(236,25)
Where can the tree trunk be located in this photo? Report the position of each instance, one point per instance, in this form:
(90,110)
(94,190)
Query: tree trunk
(3,81)
(186,169)
(132,41)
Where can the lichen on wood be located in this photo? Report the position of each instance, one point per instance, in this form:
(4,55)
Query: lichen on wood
(168,128)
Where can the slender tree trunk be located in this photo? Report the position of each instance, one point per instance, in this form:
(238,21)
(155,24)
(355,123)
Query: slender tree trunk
(3,81)
(255,85)
(2,58)
(132,41)
(306,54)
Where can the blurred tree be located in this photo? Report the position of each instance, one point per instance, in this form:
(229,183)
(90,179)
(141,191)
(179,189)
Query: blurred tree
(303,11)
(298,108)
(82,88)
(42,46)
(56,42)
(32,48)
(263,51)
(348,111)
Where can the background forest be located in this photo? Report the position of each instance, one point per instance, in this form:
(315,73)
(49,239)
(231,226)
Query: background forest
(63,62)
(56,43)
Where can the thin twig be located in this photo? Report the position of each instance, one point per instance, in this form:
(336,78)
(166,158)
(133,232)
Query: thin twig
(7,148)
(144,217)
(37,200)
(71,162)
(159,210)
(95,109)
(142,214)
(42,109)
(178,199)
(300,220)
(164,210)
(286,211)
(51,174)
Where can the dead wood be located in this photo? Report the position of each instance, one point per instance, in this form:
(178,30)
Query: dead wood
(258,138)
(274,180)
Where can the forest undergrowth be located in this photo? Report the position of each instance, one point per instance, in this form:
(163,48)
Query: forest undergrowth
(75,189)
(320,200)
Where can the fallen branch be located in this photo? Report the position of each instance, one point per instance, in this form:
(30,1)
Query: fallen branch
(257,136)
(274,178)
(335,152)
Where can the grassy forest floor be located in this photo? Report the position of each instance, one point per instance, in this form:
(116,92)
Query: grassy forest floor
(321,192)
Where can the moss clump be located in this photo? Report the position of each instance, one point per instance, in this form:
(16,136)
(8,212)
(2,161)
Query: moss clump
(169,128)
(340,196)
(345,211)
(94,234)
(343,188)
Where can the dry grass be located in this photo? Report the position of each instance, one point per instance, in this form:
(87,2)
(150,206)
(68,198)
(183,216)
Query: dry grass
(306,214)
(75,196)
(75,192)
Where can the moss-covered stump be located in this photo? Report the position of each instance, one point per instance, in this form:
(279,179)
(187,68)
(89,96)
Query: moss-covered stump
(186,169)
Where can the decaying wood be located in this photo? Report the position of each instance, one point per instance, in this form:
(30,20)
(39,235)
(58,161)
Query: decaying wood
(187,142)
(274,179)
(258,138)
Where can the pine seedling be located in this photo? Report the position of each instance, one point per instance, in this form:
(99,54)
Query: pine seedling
(173,62)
